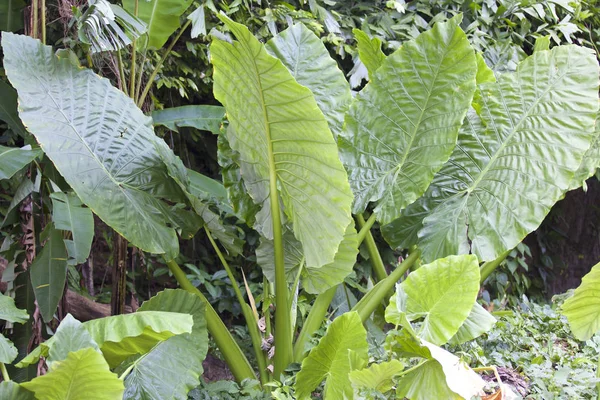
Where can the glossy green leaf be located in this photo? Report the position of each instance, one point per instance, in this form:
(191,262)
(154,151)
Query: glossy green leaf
(477,323)
(330,360)
(173,367)
(282,135)
(369,51)
(70,336)
(69,214)
(108,27)
(161,17)
(8,351)
(8,109)
(378,376)
(583,308)
(49,273)
(13,159)
(11,15)
(309,62)
(10,390)
(202,117)
(141,330)
(590,162)
(512,162)
(106,149)
(443,293)
(78,376)
(403,126)
(9,311)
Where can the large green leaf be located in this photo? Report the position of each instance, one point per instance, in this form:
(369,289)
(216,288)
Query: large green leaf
(283,139)
(202,117)
(99,141)
(583,308)
(69,214)
(13,159)
(48,273)
(140,330)
(477,323)
(82,374)
(161,16)
(513,161)
(403,126)
(378,376)
(10,312)
(309,62)
(331,359)
(70,336)
(11,15)
(8,351)
(13,391)
(173,367)
(443,293)
(8,109)
(369,51)
(590,162)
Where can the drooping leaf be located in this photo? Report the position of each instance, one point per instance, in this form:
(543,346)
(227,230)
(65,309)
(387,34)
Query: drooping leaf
(69,215)
(9,311)
(70,336)
(161,17)
(309,62)
(583,308)
(202,117)
(81,374)
(13,159)
(48,273)
(477,323)
(8,107)
(198,22)
(13,391)
(590,162)
(106,149)
(108,27)
(141,330)
(173,367)
(330,360)
(11,15)
(8,351)
(378,376)
(512,162)
(206,188)
(443,293)
(403,126)
(282,135)
(369,50)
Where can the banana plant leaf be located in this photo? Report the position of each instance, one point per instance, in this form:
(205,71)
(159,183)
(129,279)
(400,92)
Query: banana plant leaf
(11,15)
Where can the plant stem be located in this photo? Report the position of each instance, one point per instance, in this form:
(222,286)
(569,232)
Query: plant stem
(138,86)
(5,375)
(489,266)
(235,358)
(133,61)
(246,311)
(123,83)
(142,97)
(365,227)
(34,28)
(313,321)
(412,368)
(43,6)
(376,261)
(373,298)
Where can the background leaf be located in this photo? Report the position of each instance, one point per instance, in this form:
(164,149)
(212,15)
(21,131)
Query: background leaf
(11,15)
(9,312)
(583,308)
(13,159)
(202,117)
(369,50)
(378,376)
(8,108)
(68,214)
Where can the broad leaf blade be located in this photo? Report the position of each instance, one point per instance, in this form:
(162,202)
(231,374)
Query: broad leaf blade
(590,162)
(8,109)
(9,312)
(369,51)
(70,336)
(283,133)
(13,159)
(202,117)
(513,162)
(99,141)
(173,367)
(8,351)
(403,126)
(69,215)
(309,62)
(583,308)
(161,16)
(378,376)
(13,391)
(477,323)
(80,374)
(331,359)
(48,273)
(11,15)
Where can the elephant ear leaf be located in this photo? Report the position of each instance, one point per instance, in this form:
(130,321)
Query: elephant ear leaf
(99,141)
(284,143)
(403,126)
(369,50)
(516,156)
(582,309)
